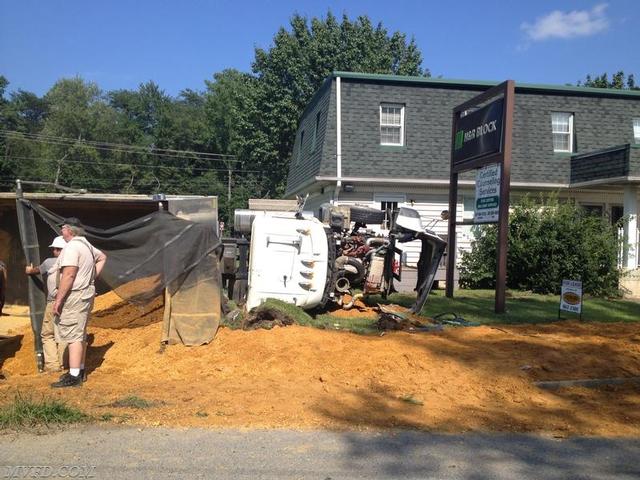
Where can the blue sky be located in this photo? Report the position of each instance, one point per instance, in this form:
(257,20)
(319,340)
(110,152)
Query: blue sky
(179,44)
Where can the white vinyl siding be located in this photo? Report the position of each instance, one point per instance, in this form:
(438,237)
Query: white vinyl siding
(562,130)
(636,130)
(391,124)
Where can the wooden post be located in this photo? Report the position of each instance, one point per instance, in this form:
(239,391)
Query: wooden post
(451,240)
(503,216)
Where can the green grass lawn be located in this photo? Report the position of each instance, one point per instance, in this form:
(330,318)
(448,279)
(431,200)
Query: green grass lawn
(522,307)
(475,306)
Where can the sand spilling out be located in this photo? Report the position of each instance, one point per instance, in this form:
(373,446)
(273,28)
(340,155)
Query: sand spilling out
(476,378)
(111,311)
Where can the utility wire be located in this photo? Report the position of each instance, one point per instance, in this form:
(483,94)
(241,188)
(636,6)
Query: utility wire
(115,147)
(149,185)
(109,144)
(124,164)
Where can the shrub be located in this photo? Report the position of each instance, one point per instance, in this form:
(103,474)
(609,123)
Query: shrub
(548,241)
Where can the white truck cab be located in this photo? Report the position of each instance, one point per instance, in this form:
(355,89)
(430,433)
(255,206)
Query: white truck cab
(288,260)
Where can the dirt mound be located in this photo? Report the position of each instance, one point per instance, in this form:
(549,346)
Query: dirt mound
(111,311)
(478,378)
(358,310)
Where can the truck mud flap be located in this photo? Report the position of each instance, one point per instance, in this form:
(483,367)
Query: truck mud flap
(433,248)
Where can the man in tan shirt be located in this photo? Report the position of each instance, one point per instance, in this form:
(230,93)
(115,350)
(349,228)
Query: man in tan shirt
(80,263)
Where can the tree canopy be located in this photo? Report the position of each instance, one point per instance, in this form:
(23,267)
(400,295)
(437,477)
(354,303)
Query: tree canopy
(234,139)
(618,81)
(293,69)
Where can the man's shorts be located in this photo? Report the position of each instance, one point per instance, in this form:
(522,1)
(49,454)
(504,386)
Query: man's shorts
(71,325)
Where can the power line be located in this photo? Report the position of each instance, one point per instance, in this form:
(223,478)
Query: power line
(140,165)
(109,144)
(149,185)
(115,147)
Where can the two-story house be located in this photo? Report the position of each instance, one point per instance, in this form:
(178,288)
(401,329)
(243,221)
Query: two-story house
(385,141)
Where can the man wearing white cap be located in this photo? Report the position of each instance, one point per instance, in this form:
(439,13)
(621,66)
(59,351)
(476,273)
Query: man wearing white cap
(48,269)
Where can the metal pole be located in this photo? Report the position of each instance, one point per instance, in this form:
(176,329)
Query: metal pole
(31,249)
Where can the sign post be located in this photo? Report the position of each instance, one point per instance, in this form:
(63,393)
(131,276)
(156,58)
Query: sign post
(481,137)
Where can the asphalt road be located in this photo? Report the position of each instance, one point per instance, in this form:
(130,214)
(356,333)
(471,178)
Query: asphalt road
(114,453)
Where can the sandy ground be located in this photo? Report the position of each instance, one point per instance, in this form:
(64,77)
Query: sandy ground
(461,379)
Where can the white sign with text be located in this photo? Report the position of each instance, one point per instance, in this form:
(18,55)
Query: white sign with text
(487,206)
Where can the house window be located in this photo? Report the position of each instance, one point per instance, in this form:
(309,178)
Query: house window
(389,208)
(595,210)
(562,128)
(391,124)
(300,146)
(314,142)
(389,204)
(617,212)
(636,130)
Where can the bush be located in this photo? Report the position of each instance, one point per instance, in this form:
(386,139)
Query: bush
(548,241)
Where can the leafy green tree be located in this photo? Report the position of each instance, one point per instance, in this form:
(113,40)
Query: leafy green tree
(294,67)
(618,81)
(228,100)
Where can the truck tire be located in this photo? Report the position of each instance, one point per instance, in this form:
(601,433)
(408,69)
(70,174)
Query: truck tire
(367,215)
(355,278)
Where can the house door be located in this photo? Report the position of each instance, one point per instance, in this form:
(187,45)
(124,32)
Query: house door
(617,212)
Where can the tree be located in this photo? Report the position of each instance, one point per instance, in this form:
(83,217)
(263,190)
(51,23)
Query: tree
(618,81)
(290,72)
(228,103)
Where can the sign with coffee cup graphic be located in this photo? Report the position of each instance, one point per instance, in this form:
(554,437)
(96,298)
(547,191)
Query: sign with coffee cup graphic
(571,296)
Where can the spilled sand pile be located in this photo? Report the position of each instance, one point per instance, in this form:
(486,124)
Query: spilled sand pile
(110,311)
(460,379)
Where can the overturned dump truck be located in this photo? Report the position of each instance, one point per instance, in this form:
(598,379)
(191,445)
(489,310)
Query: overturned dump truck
(302,260)
(157,255)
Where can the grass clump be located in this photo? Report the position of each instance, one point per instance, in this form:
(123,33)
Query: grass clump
(27,412)
(412,400)
(132,401)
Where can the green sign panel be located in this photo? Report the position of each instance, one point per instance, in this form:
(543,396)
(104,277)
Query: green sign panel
(487,202)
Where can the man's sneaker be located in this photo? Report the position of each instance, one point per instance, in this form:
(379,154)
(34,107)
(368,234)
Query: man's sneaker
(68,380)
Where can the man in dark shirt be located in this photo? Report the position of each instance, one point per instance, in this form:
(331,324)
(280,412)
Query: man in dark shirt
(3,284)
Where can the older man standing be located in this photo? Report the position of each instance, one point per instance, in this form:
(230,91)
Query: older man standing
(53,352)
(80,263)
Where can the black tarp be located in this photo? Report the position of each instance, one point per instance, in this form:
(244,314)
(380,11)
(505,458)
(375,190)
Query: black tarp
(156,252)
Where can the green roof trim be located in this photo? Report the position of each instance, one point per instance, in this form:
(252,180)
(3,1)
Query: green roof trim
(483,85)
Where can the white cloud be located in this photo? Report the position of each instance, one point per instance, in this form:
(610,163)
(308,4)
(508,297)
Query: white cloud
(577,23)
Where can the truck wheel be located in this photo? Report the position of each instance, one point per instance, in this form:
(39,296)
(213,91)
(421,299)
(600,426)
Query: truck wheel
(355,277)
(367,215)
